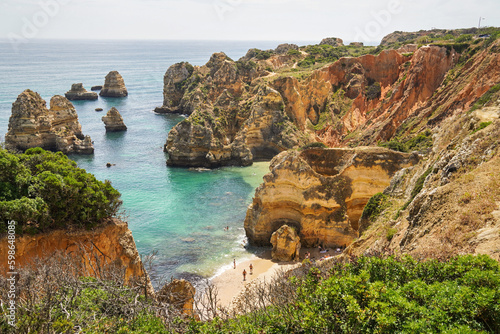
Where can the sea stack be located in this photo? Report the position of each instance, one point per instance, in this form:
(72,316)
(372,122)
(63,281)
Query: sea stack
(32,124)
(78,92)
(114,86)
(114,121)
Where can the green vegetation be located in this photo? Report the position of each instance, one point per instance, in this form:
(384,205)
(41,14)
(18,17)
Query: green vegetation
(376,204)
(381,295)
(486,97)
(42,190)
(422,141)
(391,232)
(293,52)
(482,126)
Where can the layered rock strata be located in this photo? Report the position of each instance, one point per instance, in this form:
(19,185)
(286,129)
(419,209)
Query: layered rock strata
(78,92)
(228,125)
(113,121)
(112,243)
(321,193)
(114,86)
(32,124)
(179,293)
(286,244)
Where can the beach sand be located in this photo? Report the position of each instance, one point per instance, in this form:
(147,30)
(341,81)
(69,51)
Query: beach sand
(230,282)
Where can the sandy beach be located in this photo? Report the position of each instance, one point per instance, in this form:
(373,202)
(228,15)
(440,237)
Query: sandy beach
(230,282)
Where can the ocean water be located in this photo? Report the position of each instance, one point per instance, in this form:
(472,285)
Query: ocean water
(179,213)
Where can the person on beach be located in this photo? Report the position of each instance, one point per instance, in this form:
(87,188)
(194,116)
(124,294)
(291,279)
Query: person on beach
(234,263)
(244,274)
(251,269)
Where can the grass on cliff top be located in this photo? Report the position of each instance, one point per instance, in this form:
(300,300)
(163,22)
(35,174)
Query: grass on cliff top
(42,190)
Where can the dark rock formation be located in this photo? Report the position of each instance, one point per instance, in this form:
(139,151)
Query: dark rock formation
(77,92)
(113,121)
(96,88)
(33,125)
(114,86)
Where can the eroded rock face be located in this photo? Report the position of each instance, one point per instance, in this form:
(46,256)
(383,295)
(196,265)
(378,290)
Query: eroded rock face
(286,244)
(321,193)
(228,125)
(111,244)
(114,86)
(113,121)
(78,92)
(283,49)
(180,294)
(57,129)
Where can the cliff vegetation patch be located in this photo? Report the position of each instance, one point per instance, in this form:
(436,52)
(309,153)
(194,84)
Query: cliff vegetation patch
(42,190)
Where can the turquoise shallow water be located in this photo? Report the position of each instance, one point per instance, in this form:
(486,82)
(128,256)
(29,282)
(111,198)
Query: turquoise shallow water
(179,213)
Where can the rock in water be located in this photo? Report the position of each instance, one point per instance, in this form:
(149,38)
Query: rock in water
(114,86)
(77,92)
(286,244)
(96,88)
(57,129)
(114,121)
(180,294)
(173,89)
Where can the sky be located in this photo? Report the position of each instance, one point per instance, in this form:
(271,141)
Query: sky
(276,20)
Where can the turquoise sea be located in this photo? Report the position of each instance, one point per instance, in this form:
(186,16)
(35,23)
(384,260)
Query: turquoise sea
(179,213)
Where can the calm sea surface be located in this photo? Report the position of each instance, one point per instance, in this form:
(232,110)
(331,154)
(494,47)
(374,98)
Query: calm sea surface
(179,213)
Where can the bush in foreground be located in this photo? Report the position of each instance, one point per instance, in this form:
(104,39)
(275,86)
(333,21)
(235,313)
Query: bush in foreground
(41,190)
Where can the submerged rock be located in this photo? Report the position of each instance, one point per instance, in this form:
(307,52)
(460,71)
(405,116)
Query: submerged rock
(114,86)
(77,92)
(113,121)
(286,244)
(57,129)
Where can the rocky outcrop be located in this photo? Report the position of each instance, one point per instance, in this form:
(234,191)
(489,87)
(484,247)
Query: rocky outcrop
(175,84)
(333,41)
(77,92)
(113,121)
(283,49)
(228,125)
(96,87)
(179,293)
(57,129)
(286,244)
(109,244)
(114,86)
(321,193)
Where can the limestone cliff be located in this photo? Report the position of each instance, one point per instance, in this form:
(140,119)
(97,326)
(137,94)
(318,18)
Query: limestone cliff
(114,86)
(321,193)
(110,244)
(230,123)
(57,129)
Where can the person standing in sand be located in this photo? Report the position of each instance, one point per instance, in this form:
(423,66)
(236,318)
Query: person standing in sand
(244,274)
(234,263)
(251,269)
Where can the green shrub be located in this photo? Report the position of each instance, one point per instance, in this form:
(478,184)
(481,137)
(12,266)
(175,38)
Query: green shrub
(482,125)
(293,52)
(391,232)
(376,204)
(47,190)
